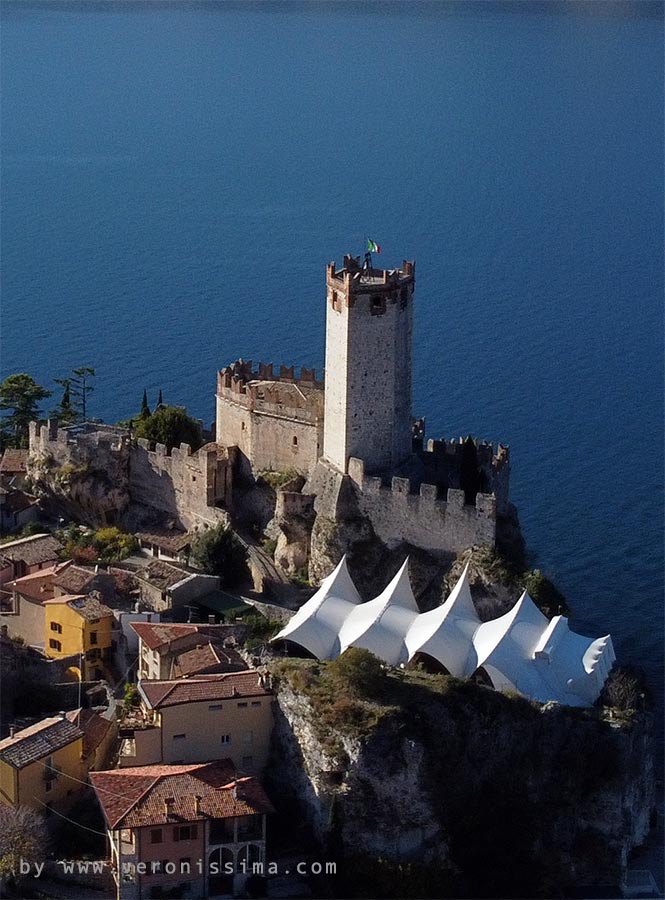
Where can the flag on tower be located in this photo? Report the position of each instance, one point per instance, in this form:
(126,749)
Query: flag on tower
(372,246)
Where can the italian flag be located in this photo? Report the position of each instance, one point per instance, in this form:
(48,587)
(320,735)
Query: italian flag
(373,247)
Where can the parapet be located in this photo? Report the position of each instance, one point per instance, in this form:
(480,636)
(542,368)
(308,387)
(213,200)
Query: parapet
(351,278)
(424,497)
(485,451)
(234,379)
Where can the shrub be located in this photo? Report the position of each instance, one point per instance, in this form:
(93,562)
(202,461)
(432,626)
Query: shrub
(625,689)
(170,425)
(359,672)
(219,552)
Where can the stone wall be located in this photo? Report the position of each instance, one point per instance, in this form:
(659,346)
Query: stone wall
(194,489)
(398,514)
(276,420)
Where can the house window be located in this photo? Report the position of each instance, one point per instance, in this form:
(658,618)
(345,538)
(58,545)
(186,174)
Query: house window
(256,703)
(214,707)
(184,833)
(226,738)
(54,645)
(241,705)
(56,626)
(156,836)
(179,737)
(93,637)
(248,738)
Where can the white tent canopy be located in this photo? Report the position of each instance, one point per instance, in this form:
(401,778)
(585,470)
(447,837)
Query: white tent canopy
(521,650)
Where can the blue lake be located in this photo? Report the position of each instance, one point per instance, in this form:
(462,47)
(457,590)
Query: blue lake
(176,176)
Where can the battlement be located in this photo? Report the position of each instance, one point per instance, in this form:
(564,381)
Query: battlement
(79,440)
(424,498)
(352,279)
(236,378)
(486,455)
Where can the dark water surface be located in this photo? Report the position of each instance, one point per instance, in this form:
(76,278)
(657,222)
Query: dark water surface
(175,178)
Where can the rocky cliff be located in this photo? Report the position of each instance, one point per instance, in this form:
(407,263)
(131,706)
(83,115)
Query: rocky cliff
(487,794)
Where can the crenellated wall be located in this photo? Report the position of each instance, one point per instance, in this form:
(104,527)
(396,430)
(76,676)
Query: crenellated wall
(276,420)
(192,488)
(100,467)
(443,458)
(405,511)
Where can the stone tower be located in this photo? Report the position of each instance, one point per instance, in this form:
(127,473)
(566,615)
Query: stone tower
(368,365)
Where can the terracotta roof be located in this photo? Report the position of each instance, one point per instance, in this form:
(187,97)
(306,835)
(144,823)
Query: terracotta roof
(88,606)
(33,550)
(166,538)
(37,585)
(14,461)
(208,657)
(93,725)
(162,574)
(156,634)
(74,579)
(136,797)
(38,741)
(160,694)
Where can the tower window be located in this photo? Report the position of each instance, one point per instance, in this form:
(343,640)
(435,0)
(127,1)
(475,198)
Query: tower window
(377,306)
(295,441)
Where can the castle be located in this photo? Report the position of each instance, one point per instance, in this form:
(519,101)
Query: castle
(349,436)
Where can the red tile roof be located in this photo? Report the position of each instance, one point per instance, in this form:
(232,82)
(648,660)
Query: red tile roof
(207,657)
(94,727)
(14,460)
(32,550)
(136,797)
(155,635)
(37,585)
(160,694)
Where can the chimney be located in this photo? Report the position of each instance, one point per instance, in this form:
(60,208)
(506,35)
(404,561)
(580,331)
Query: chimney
(197,805)
(148,616)
(168,806)
(62,714)
(211,620)
(12,731)
(235,790)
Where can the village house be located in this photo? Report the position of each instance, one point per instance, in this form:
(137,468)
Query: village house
(164,543)
(26,555)
(81,625)
(16,509)
(13,468)
(163,586)
(201,718)
(22,606)
(43,766)
(170,650)
(100,733)
(187,831)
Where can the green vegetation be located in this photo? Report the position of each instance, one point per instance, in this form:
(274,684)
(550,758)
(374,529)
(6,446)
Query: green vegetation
(259,630)
(20,396)
(301,577)
(277,479)
(218,551)
(23,836)
(77,390)
(269,545)
(625,690)
(170,425)
(104,545)
(131,697)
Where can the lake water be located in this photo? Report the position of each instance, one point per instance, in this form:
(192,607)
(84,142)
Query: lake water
(176,176)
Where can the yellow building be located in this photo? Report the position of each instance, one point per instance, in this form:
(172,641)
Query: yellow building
(42,766)
(82,625)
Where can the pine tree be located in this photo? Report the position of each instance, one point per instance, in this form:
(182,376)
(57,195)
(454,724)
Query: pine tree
(145,409)
(65,412)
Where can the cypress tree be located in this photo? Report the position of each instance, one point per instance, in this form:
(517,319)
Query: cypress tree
(160,402)
(145,409)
